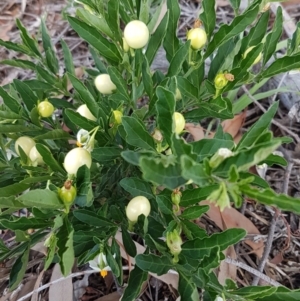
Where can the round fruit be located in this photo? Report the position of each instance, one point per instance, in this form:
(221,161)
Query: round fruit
(198,38)
(26,143)
(67,195)
(84,111)
(137,206)
(104,84)
(220,81)
(45,108)
(76,158)
(35,156)
(118,116)
(179,122)
(258,57)
(136,34)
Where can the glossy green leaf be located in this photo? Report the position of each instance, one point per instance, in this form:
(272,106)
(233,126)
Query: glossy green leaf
(147,79)
(54,135)
(164,204)
(273,37)
(137,134)
(136,187)
(92,36)
(106,154)
(194,212)
(235,4)
(80,121)
(41,198)
(208,16)
(282,293)
(254,292)
(19,268)
(10,101)
(293,46)
(226,32)
(187,88)
(171,41)
(92,218)
(65,247)
(19,63)
(186,288)
(258,128)
(13,189)
(119,81)
(157,172)
(113,19)
(136,279)
(49,159)
(16,47)
(156,39)
(128,243)
(159,265)
(269,197)
(165,107)
(178,59)
(28,96)
(68,59)
(25,223)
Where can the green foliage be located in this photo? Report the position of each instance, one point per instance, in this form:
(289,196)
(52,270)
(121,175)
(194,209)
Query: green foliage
(173,174)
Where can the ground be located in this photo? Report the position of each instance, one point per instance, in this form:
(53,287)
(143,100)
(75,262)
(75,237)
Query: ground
(268,227)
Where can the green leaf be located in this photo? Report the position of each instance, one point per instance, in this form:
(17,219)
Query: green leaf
(18,128)
(55,134)
(293,46)
(186,288)
(19,63)
(136,187)
(166,175)
(19,268)
(275,159)
(80,121)
(28,96)
(282,293)
(16,47)
(106,154)
(10,202)
(254,292)
(113,19)
(171,41)
(51,251)
(27,39)
(25,223)
(137,135)
(147,79)
(49,159)
(226,32)
(92,218)
(178,59)
(281,65)
(269,197)
(51,59)
(159,265)
(85,95)
(273,37)
(92,36)
(65,247)
(46,76)
(194,196)
(235,4)
(194,171)
(156,39)
(207,147)
(98,22)
(41,198)
(164,204)
(216,107)
(10,102)
(136,279)
(68,59)
(165,107)
(187,88)
(195,248)
(129,245)
(119,81)
(208,16)
(13,189)
(194,212)
(258,128)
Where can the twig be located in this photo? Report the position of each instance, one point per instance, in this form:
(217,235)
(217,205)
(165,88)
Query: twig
(279,85)
(295,136)
(267,248)
(43,287)
(252,271)
(287,175)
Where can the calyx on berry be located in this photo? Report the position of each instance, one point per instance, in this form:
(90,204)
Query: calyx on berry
(67,194)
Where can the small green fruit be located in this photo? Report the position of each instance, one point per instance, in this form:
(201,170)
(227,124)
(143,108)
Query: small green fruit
(45,109)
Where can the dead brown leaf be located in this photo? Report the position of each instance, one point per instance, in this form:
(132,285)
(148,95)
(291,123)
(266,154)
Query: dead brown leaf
(233,126)
(62,290)
(226,270)
(197,131)
(231,218)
